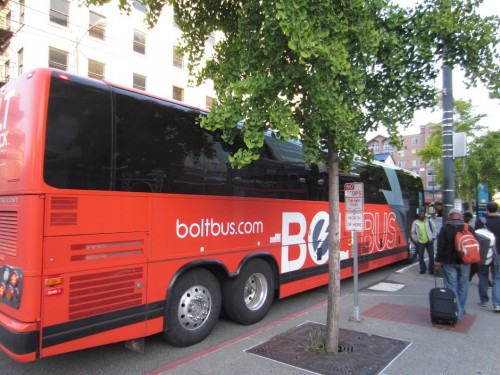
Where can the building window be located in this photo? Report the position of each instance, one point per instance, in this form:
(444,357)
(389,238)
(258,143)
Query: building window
(211,38)
(178,93)
(415,163)
(58,59)
(414,141)
(209,102)
(414,151)
(401,164)
(431,172)
(97,25)
(8,18)
(178,58)
(20,61)
(374,146)
(21,12)
(432,183)
(59,12)
(387,145)
(401,153)
(139,82)
(6,72)
(139,42)
(174,23)
(96,69)
(138,5)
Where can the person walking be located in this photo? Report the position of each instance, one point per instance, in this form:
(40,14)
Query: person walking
(423,232)
(437,218)
(468,220)
(455,273)
(492,223)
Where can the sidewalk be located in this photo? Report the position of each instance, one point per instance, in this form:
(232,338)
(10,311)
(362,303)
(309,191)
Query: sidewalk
(402,314)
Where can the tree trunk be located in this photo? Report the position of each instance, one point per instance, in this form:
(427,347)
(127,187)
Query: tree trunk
(333,313)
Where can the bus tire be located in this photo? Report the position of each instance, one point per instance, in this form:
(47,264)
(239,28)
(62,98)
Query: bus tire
(193,308)
(247,298)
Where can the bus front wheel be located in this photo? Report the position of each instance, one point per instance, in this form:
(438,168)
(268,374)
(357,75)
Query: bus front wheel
(193,308)
(247,298)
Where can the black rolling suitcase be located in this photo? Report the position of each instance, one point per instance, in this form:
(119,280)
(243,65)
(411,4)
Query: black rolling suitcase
(443,304)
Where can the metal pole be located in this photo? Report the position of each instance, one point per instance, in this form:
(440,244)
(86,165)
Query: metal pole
(355,312)
(448,162)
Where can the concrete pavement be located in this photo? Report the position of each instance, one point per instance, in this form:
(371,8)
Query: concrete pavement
(397,308)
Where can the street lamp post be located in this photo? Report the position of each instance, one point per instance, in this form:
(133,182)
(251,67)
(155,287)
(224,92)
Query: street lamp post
(100,23)
(448,187)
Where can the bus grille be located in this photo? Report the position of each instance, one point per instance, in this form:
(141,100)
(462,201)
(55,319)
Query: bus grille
(103,292)
(67,211)
(8,233)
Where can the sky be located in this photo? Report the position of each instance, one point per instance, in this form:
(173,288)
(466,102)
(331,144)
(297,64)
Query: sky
(478,96)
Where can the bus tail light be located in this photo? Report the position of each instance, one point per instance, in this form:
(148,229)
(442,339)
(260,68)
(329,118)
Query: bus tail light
(11,286)
(10,293)
(14,278)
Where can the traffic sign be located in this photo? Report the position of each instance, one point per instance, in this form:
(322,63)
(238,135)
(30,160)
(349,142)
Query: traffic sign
(354,205)
(354,190)
(354,222)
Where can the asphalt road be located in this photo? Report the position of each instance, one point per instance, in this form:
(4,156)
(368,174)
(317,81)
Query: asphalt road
(116,359)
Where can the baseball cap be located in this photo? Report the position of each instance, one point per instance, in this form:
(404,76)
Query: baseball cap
(454,211)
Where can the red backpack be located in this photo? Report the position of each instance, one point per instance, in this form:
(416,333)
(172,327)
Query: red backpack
(467,246)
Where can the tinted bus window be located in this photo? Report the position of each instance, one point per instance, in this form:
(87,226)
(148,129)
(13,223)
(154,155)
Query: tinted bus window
(375,181)
(161,148)
(411,188)
(78,138)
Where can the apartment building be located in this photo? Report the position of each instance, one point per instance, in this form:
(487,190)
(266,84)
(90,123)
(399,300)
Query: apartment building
(100,42)
(407,158)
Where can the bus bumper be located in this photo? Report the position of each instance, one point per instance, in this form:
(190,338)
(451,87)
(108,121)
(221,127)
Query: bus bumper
(19,340)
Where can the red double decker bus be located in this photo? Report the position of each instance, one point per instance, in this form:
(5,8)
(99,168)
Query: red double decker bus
(121,218)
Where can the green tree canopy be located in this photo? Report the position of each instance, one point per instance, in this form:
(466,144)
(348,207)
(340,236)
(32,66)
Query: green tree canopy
(467,178)
(327,72)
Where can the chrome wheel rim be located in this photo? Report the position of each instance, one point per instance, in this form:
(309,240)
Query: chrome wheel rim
(256,291)
(194,307)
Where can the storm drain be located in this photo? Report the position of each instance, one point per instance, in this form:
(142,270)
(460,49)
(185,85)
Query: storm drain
(343,348)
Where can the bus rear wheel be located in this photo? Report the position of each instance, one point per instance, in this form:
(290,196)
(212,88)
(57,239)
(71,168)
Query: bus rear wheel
(193,308)
(247,298)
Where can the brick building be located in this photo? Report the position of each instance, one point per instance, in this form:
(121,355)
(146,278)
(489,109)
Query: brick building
(407,158)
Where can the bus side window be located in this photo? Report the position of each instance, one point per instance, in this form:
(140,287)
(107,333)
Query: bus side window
(78,136)
(161,148)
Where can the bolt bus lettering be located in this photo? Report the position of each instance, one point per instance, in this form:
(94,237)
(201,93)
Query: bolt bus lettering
(379,234)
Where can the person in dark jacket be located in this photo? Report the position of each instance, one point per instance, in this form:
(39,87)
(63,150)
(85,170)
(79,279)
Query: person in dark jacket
(455,273)
(492,222)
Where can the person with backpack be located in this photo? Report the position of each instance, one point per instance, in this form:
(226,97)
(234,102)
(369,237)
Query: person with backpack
(455,272)
(492,223)
(468,220)
(422,234)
